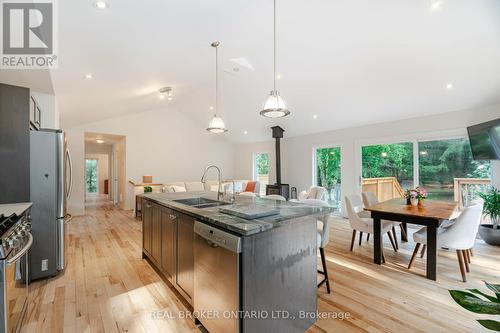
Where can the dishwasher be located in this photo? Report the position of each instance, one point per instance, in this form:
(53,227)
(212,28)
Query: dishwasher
(216,300)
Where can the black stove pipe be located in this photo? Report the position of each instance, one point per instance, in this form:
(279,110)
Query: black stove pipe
(277,135)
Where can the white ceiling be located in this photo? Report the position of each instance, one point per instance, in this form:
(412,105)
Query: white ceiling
(350,62)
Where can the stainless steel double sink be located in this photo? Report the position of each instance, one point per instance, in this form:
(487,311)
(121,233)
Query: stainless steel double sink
(201,202)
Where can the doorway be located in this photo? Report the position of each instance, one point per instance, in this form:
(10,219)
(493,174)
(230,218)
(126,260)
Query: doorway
(104,170)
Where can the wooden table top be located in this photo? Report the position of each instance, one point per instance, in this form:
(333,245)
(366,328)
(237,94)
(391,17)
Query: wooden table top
(434,209)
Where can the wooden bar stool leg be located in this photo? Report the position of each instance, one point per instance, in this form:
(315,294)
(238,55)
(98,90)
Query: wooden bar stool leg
(368,237)
(468,255)
(461,265)
(353,238)
(471,252)
(360,237)
(414,255)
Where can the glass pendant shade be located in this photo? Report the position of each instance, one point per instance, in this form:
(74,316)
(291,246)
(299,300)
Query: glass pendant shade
(275,106)
(217,125)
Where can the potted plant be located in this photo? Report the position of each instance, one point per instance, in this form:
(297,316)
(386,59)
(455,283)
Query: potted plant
(411,197)
(490,232)
(421,195)
(478,302)
(416,196)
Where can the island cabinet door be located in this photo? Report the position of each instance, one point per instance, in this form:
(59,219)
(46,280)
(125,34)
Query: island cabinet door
(168,242)
(146,226)
(156,234)
(185,255)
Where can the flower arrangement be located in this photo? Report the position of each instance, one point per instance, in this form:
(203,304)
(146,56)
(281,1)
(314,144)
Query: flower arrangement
(416,196)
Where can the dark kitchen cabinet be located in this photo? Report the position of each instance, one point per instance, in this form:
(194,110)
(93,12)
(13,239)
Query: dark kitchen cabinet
(147,221)
(168,239)
(14,144)
(156,233)
(185,255)
(168,242)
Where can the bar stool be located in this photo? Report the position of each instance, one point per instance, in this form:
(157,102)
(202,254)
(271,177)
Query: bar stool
(323,237)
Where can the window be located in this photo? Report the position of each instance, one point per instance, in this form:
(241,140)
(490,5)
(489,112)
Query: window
(441,161)
(389,160)
(261,170)
(91,175)
(328,174)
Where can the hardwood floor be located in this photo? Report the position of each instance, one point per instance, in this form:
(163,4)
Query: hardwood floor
(107,287)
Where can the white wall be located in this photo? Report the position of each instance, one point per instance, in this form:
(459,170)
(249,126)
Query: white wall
(163,143)
(297,166)
(102,169)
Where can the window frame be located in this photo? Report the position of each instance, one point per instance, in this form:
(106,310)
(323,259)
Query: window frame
(414,138)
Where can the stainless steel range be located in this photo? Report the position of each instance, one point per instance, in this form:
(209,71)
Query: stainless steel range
(15,242)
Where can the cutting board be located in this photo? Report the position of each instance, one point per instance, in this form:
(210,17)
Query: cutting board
(249,212)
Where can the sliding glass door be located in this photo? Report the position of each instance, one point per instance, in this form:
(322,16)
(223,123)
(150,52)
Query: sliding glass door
(328,173)
(442,162)
(444,167)
(387,169)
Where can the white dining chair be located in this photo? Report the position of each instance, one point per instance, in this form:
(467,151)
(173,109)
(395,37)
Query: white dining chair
(323,237)
(370,199)
(354,206)
(275,197)
(460,236)
(247,194)
(314,192)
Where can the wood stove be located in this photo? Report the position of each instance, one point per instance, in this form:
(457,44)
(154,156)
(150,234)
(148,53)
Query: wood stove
(278,187)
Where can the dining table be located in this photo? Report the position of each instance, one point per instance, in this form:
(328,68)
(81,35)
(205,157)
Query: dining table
(431,213)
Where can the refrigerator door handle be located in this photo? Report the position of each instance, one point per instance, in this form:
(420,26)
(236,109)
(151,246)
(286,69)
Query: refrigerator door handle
(70,169)
(61,260)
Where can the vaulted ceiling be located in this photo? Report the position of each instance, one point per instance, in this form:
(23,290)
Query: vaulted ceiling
(349,62)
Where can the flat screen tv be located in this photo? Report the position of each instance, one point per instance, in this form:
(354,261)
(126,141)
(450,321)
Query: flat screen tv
(485,140)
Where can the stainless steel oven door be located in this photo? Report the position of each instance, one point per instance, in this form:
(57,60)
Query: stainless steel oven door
(16,288)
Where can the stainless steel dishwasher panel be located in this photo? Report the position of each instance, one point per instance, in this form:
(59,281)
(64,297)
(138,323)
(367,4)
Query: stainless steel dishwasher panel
(216,279)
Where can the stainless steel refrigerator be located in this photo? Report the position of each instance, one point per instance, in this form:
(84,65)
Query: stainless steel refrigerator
(50,187)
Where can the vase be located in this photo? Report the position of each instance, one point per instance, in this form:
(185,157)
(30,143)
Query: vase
(421,202)
(414,202)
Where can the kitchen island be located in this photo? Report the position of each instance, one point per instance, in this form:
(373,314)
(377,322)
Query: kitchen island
(238,274)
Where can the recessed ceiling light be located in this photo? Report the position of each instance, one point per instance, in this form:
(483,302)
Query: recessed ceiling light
(278,77)
(100,4)
(89,76)
(245,132)
(166,92)
(99,140)
(315,116)
(436,4)
(449,86)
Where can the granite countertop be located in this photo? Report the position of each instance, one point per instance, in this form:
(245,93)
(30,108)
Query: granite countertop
(14,208)
(288,212)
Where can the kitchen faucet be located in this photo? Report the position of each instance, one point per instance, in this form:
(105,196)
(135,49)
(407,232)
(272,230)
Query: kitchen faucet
(203,179)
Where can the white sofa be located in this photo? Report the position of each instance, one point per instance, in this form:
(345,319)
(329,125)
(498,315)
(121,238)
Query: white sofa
(209,185)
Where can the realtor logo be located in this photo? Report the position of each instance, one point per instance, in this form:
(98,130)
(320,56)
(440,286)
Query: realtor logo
(28,34)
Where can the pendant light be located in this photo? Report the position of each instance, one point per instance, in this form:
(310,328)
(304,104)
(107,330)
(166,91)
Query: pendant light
(216,124)
(275,106)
